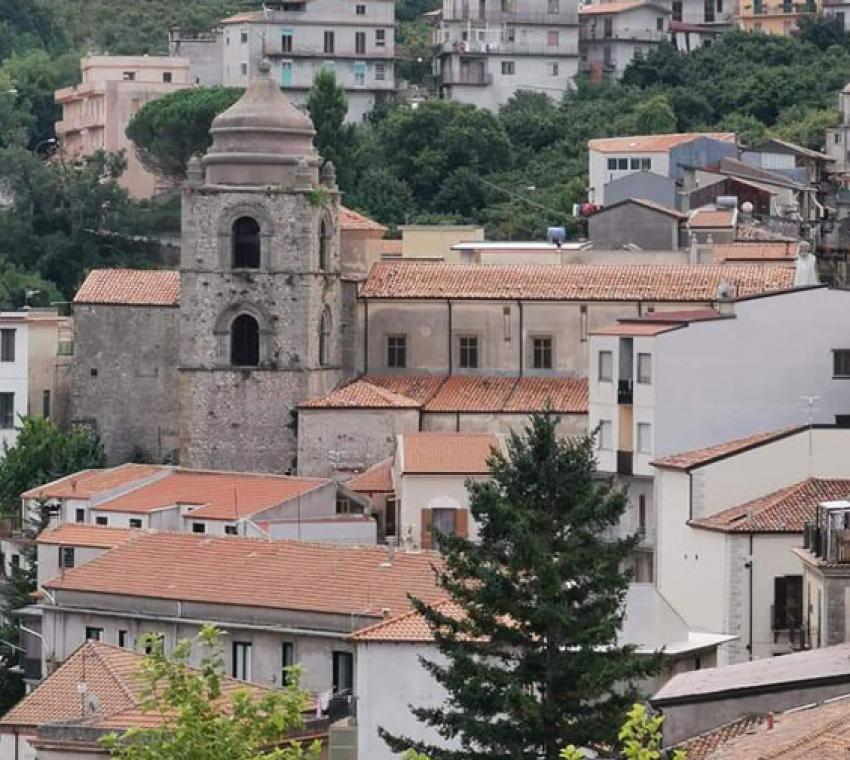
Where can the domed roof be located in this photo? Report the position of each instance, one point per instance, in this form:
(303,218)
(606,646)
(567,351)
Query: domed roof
(262,130)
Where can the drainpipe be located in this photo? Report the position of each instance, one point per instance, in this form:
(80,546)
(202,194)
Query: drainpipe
(749,566)
(449,341)
(366,337)
(521,341)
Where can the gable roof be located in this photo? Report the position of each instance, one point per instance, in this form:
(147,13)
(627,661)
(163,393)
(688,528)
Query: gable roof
(130,287)
(654,143)
(687,460)
(248,572)
(651,205)
(377,479)
(86,483)
(784,511)
(361,394)
(701,747)
(592,282)
(409,628)
(220,495)
(76,534)
(658,322)
(790,147)
(352,220)
(436,453)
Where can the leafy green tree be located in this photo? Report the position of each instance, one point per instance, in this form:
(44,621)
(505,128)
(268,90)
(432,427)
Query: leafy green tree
(168,131)
(534,657)
(749,128)
(822,31)
(414,51)
(382,196)
(531,120)
(806,126)
(655,116)
(407,10)
(27,24)
(327,105)
(202,722)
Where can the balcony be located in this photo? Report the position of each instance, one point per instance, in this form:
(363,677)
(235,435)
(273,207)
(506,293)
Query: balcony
(275,50)
(475,79)
(594,34)
(625,462)
(828,536)
(625,392)
(476,48)
(499,17)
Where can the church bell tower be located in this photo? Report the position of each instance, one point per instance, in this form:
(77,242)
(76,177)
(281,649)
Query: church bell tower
(260,298)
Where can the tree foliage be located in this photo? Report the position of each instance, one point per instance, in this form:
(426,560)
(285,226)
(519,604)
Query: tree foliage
(534,657)
(200,721)
(327,105)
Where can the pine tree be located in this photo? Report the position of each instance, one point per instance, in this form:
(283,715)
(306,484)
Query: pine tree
(533,657)
(327,105)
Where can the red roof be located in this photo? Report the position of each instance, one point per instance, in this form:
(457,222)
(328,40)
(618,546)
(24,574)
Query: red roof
(75,534)
(459,393)
(281,575)
(755,251)
(701,747)
(654,143)
(221,495)
(447,453)
(409,628)
(377,479)
(131,287)
(617,7)
(711,218)
(657,322)
(783,511)
(351,220)
(698,457)
(87,483)
(592,282)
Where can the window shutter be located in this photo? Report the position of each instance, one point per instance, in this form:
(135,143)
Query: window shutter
(427,537)
(462,523)
(780,602)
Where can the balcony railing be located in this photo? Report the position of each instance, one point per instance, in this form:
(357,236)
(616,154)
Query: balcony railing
(624,462)
(472,49)
(275,50)
(624,392)
(831,545)
(591,34)
(482,79)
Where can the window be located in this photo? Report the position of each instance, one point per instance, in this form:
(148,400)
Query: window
(243,69)
(359,73)
(231,530)
(15,561)
(94,634)
(7,411)
(380,72)
(607,32)
(644,438)
(541,353)
(380,37)
(66,557)
(359,43)
(243,37)
(708,7)
(325,338)
(623,164)
(167,77)
(241,660)
(840,363)
(343,672)
(582,323)
(552,38)
(554,6)
(644,368)
(93,372)
(286,41)
(329,42)
(7,345)
(645,164)
(508,68)
(80,515)
(634,164)
(443,522)
(604,435)
(154,640)
(199,527)
(642,514)
(787,602)
(136,522)
(245,236)
(324,245)
(245,342)
(129,76)
(606,366)
(122,638)
(554,69)
(101,520)
(45,404)
(287,660)
(360,10)
(468,352)
(677,10)
(397,351)
(286,73)
(659,23)
(612,164)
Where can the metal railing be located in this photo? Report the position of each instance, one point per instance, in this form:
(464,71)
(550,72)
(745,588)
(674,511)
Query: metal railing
(461,47)
(482,79)
(831,546)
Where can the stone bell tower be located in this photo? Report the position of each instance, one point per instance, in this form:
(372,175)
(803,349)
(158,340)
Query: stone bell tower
(260,300)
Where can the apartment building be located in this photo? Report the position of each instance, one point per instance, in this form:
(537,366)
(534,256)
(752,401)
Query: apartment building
(34,368)
(774,16)
(355,39)
(96,112)
(487,50)
(612,34)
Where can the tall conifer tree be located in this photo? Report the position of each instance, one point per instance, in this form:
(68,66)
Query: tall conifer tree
(531,658)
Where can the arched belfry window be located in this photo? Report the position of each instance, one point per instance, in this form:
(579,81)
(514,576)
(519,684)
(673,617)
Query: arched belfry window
(246,243)
(325,337)
(324,245)
(245,341)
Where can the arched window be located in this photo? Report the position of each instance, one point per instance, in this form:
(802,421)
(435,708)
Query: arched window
(325,338)
(245,342)
(246,243)
(324,245)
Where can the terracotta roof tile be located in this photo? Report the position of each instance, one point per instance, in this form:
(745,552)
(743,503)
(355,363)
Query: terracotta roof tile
(472,393)
(435,453)
(361,395)
(221,495)
(248,572)
(638,329)
(701,747)
(131,287)
(392,248)
(351,220)
(420,388)
(654,143)
(563,394)
(377,479)
(755,250)
(657,322)
(703,218)
(627,282)
(409,628)
(86,483)
(614,7)
(783,511)
(697,457)
(73,534)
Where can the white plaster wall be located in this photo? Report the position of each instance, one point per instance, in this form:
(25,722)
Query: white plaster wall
(388,679)
(600,175)
(165,519)
(14,379)
(48,560)
(418,492)
(9,750)
(358,532)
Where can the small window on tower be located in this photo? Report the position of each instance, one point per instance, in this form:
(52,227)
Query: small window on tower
(245,341)
(325,338)
(246,243)
(324,245)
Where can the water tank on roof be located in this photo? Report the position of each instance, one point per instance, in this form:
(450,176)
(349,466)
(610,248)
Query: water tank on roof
(556,235)
(727,201)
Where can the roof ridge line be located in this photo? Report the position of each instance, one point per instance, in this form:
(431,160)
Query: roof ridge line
(118,680)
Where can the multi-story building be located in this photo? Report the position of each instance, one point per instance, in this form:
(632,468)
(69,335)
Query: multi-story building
(488,50)
(203,50)
(96,112)
(774,16)
(34,368)
(355,39)
(614,33)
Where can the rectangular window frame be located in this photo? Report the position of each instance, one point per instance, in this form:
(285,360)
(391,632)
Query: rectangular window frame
(605,436)
(508,68)
(241,663)
(287,660)
(342,671)
(122,638)
(94,633)
(542,352)
(841,363)
(80,515)
(605,374)
(469,352)
(101,520)
(643,436)
(7,344)
(135,523)
(329,42)
(199,528)
(397,351)
(359,43)
(380,38)
(67,558)
(644,368)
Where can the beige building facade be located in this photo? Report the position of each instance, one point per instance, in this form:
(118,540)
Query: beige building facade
(96,112)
